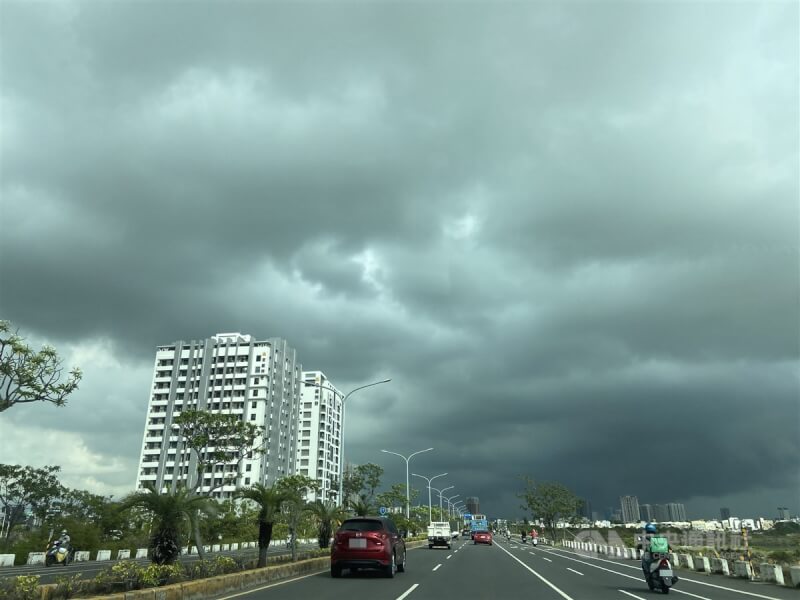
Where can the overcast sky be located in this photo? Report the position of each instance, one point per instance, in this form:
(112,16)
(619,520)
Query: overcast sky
(552,225)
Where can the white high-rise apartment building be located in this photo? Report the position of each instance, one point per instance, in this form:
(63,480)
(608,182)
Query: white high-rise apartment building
(320,434)
(227,373)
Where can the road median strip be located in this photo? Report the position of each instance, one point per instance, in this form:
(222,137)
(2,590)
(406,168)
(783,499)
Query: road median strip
(212,587)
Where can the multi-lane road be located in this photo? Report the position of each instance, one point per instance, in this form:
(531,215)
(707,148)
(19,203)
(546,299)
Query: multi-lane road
(508,571)
(91,568)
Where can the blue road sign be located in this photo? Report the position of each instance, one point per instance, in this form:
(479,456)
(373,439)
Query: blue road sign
(382,510)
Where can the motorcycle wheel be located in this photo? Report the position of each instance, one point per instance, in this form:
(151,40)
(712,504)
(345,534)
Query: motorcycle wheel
(650,583)
(48,561)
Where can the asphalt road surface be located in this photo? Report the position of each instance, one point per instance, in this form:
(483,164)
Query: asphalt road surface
(509,571)
(91,568)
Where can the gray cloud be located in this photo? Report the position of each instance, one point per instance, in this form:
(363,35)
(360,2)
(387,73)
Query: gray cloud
(549,224)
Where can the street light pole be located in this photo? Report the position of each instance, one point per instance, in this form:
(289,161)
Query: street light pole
(449,505)
(429,480)
(408,488)
(344,398)
(450,487)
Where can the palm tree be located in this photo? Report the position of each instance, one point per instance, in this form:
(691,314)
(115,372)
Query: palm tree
(361,507)
(269,501)
(328,516)
(171,513)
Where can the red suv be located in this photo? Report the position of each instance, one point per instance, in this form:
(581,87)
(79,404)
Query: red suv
(482,537)
(368,543)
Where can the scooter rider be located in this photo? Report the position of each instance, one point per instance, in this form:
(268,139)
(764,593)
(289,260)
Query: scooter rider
(523,537)
(65,539)
(650,532)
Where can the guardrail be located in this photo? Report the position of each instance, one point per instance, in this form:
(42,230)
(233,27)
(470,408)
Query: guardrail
(37,558)
(767,572)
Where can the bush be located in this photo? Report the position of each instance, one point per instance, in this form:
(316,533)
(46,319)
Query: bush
(67,587)
(221,565)
(24,587)
(785,557)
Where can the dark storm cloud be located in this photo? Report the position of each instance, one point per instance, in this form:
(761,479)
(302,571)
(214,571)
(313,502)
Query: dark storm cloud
(548,224)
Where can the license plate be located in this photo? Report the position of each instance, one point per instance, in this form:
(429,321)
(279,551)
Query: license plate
(665,573)
(358,543)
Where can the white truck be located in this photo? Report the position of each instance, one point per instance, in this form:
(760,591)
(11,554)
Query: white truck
(439,534)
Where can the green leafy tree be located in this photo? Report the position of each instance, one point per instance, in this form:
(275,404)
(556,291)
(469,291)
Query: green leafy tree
(268,501)
(28,488)
(234,521)
(172,513)
(395,497)
(295,489)
(352,484)
(370,476)
(548,501)
(30,376)
(328,517)
(219,443)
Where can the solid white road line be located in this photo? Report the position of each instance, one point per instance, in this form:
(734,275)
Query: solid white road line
(630,576)
(552,586)
(574,571)
(713,585)
(271,585)
(437,566)
(408,591)
(631,595)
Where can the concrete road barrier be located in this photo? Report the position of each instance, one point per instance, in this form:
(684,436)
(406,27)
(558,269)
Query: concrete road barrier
(82,556)
(215,547)
(234,546)
(720,565)
(226,547)
(103,555)
(123,554)
(701,563)
(742,568)
(7,560)
(771,573)
(685,560)
(36,558)
(141,553)
(673,559)
(795,573)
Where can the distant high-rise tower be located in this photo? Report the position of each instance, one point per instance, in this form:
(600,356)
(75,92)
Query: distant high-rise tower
(646,512)
(586,509)
(676,511)
(630,509)
(473,505)
(783,513)
(724,513)
(660,513)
